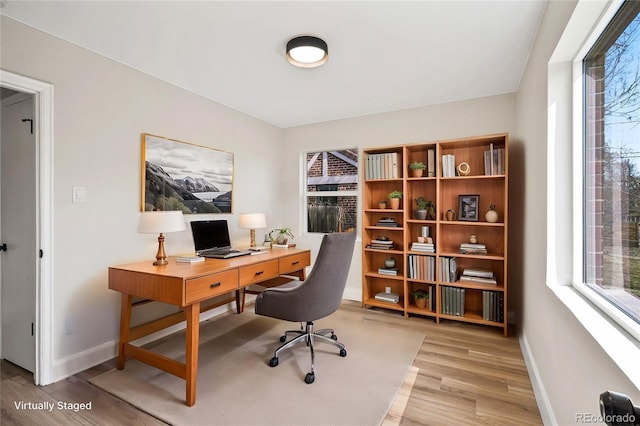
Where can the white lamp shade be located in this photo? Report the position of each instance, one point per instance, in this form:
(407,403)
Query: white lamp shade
(253,220)
(160,221)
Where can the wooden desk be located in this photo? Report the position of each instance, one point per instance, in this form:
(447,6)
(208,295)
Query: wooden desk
(187,285)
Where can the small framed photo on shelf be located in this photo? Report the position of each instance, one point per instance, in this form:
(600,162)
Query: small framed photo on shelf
(468,207)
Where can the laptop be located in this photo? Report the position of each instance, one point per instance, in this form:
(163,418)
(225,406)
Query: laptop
(211,239)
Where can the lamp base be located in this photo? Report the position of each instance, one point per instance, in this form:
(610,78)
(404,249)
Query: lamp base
(161,257)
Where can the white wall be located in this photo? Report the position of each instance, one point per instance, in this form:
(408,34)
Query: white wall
(459,119)
(101,109)
(568,368)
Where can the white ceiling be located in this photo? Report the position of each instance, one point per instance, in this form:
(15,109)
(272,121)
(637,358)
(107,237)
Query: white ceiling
(383,55)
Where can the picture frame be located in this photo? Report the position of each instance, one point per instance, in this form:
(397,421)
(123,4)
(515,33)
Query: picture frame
(468,207)
(183,176)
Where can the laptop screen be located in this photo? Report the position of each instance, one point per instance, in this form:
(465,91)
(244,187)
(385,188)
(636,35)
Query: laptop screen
(208,234)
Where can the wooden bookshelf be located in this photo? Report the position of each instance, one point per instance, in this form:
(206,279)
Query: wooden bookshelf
(487,178)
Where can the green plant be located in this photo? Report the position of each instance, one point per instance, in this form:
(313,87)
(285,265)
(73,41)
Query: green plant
(420,294)
(417,165)
(395,194)
(422,204)
(279,235)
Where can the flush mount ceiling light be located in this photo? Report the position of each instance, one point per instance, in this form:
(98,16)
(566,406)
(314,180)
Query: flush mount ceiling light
(307,51)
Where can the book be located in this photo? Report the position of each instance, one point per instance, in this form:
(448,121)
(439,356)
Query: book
(280,245)
(484,273)
(387,297)
(388,271)
(480,280)
(189,259)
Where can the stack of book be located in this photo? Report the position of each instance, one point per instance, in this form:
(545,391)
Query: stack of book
(425,247)
(387,221)
(478,276)
(387,165)
(493,306)
(494,161)
(469,248)
(189,259)
(448,270)
(453,301)
(448,165)
(388,271)
(387,297)
(381,244)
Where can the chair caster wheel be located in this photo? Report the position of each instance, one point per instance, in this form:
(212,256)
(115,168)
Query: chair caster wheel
(343,353)
(283,338)
(273,362)
(309,378)
(334,337)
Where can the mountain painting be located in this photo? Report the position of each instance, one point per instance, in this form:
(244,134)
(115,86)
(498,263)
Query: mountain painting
(181,176)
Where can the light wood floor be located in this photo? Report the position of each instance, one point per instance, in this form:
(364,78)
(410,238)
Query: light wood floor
(463,374)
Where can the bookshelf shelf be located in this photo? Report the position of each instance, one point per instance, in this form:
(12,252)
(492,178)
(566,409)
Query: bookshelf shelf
(485,174)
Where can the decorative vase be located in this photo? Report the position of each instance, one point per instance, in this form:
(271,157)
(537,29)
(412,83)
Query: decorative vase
(394,203)
(420,214)
(451,215)
(390,262)
(382,205)
(492,214)
(421,302)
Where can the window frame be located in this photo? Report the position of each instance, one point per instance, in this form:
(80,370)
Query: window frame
(306,193)
(564,187)
(579,141)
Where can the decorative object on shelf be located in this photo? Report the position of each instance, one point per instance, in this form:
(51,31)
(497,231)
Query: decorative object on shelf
(451,215)
(394,199)
(280,236)
(468,207)
(492,214)
(417,168)
(464,169)
(421,208)
(390,262)
(159,222)
(473,239)
(420,296)
(252,221)
(382,205)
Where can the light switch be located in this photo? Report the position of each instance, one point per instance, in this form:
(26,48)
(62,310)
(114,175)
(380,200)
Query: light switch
(79,194)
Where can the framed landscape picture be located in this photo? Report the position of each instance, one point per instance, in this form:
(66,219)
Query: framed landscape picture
(182,176)
(468,207)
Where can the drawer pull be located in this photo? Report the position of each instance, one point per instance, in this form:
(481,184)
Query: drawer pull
(295,263)
(259,272)
(214,285)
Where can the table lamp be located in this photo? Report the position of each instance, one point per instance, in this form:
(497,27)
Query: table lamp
(252,221)
(159,222)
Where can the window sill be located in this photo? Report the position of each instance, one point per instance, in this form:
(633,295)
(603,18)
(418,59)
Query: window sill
(616,342)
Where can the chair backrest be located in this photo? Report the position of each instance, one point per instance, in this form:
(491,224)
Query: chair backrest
(321,293)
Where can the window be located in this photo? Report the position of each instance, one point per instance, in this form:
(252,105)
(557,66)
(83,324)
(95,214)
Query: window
(611,163)
(331,190)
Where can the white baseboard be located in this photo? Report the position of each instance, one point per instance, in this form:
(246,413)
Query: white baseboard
(81,361)
(542,399)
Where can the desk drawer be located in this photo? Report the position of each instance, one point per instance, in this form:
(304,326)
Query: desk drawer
(210,285)
(294,262)
(259,272)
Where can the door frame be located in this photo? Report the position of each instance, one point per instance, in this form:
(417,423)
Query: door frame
(43,102)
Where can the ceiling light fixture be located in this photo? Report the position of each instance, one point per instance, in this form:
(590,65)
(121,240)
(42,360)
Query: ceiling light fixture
(307,51)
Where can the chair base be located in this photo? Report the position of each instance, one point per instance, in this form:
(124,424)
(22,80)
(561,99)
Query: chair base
(308,336)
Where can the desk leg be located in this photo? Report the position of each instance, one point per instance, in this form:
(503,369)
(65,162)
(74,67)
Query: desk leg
(125,323)
(240,301)
(193,336)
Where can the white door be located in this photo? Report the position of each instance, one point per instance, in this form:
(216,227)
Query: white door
(18,205)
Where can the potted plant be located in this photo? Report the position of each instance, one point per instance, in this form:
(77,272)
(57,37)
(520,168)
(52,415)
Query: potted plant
(280,235)
(417,168)
(421,208)
(420,296)
(394,199)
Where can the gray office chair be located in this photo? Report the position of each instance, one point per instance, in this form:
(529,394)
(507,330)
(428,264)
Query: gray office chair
(316,297)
